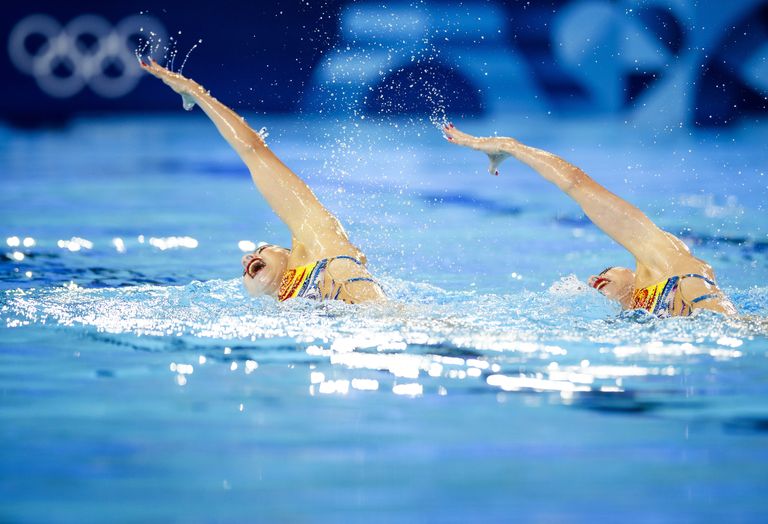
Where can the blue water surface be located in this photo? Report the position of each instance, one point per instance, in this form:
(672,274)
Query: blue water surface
(139,383)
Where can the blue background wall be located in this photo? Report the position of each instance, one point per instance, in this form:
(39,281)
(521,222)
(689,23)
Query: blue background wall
(670,62)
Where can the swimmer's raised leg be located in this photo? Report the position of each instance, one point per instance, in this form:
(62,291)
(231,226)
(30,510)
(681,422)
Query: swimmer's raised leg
(293,201)
(318,239)
(622,221)
(495,155)
(658,253)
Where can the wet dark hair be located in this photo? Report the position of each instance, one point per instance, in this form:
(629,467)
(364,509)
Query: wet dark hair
(606,270)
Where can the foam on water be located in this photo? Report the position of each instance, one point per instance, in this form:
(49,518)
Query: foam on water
(532,341)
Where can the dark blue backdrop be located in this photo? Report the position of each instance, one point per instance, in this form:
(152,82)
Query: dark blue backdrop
(674,62)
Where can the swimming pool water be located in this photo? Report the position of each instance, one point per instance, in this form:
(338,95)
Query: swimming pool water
(138,382)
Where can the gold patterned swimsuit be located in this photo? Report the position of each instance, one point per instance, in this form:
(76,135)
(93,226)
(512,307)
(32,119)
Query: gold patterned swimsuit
(304,281)
(659,299)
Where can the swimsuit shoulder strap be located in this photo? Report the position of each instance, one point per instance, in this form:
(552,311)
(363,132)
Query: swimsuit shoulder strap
(361,279)
(356,279)
(339,285)
(346,257)
(706,296)
(696,275)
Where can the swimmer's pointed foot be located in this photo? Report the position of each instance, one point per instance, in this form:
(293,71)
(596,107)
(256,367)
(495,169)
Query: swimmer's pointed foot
(450,132)
(179,83)
(491,146)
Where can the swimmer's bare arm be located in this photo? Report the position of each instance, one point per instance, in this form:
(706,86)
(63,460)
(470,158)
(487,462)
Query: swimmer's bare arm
(291,199)
(619,219)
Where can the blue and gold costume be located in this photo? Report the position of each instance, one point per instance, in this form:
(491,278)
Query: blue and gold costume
(659,299)
(304,281)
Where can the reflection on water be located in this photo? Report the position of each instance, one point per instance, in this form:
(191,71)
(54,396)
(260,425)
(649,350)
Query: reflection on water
(566,343)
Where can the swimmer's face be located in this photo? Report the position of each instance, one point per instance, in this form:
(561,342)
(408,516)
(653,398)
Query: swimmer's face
(616,283)
(264,268)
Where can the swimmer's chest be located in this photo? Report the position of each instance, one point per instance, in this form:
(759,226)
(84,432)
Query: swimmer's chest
(658,298)
(346,281)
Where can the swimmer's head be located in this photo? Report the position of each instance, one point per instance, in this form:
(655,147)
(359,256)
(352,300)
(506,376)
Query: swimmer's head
(264,268)
(616,283)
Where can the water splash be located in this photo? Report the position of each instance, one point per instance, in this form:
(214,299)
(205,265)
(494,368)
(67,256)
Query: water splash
(419,315)
(186,57)
(566,341)
(151,44)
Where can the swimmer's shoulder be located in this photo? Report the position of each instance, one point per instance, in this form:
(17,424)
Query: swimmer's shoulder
(701,290)
(672,257)
(352,281)
(325,248)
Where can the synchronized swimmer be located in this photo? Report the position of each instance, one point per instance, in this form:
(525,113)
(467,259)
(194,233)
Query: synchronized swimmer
(668,279)
(322,263)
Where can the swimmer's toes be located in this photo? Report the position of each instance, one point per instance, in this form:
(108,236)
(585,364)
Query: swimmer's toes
(455,136)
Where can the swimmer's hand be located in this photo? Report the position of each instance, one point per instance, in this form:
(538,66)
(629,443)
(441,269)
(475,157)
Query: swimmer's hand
(492,146)
(176,81)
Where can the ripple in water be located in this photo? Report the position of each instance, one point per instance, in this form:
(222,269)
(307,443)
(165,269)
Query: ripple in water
(567,343)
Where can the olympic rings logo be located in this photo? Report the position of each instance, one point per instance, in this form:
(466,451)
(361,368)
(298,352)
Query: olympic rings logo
(88,51)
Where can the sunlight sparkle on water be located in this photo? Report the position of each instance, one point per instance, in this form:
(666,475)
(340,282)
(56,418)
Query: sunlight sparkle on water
(75,244)
(400,365)
(672,349)
(454,338)
(413,389)
(163,243)
(365,384)
(508,383)
(182,369)
(119,244)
